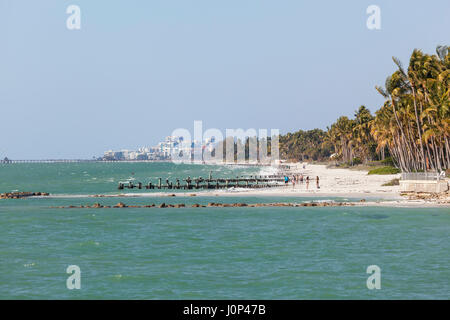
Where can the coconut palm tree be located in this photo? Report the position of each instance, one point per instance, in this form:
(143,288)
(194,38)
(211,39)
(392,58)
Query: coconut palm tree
(419,101)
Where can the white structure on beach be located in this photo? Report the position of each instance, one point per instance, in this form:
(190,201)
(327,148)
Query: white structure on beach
(424,182)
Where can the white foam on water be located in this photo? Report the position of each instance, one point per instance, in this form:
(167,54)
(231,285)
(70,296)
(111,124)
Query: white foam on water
(268,171)
(325,200)
(234,189)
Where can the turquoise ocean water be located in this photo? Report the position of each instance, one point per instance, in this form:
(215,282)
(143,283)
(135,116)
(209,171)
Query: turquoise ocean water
(207,253)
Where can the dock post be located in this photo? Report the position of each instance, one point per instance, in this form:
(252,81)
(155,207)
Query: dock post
(188,182)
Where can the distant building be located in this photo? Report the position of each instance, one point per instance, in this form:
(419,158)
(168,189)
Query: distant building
(163,150)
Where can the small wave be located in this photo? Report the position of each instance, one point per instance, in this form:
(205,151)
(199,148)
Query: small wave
(72,196)
(89,243)
(234,189)
(117,276)
(268,171)
(324,200)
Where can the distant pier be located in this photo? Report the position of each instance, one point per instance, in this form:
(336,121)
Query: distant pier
(246,164)
(10,161)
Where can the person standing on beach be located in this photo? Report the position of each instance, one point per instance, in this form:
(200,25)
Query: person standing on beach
(307,182)
(286,180)
(293,182)
(317,182)
(301,179)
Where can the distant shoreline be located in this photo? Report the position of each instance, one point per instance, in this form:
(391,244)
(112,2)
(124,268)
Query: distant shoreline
(12,161)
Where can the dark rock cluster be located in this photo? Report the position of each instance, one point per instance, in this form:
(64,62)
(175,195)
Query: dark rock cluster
(19,195)
(221,205)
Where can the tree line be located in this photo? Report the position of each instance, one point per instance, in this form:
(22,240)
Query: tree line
(412,126)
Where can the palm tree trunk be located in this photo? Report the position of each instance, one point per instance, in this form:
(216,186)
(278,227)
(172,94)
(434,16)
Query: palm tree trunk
(419,128)
(447,148)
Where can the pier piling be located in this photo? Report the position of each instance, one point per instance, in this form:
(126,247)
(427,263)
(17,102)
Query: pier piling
(210,183)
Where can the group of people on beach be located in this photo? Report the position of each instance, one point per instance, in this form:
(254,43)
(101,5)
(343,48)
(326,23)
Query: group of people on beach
(299,179)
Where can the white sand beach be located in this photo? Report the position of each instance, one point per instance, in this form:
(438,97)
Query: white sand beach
(348,183)
(339,182)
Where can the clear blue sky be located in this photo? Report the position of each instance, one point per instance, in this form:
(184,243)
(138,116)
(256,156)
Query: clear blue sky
(139,69)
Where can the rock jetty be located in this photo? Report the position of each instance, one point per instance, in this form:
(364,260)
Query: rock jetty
(440,198)
(220,205)
(20,195)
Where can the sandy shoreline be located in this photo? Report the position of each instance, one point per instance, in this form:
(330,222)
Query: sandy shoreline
(343,181)
(346,184)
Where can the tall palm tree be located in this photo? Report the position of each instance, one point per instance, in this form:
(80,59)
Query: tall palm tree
(419,101)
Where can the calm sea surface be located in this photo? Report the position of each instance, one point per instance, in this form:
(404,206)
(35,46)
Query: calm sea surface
(207,253)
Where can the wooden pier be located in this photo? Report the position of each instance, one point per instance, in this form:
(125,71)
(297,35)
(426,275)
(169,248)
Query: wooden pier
(10,161)
(209,183)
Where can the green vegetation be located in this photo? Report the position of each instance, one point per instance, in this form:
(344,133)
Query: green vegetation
(410,131)
(305,145)
(414,122)
(387,162)
(393,182)
(384,170)
(356,161)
